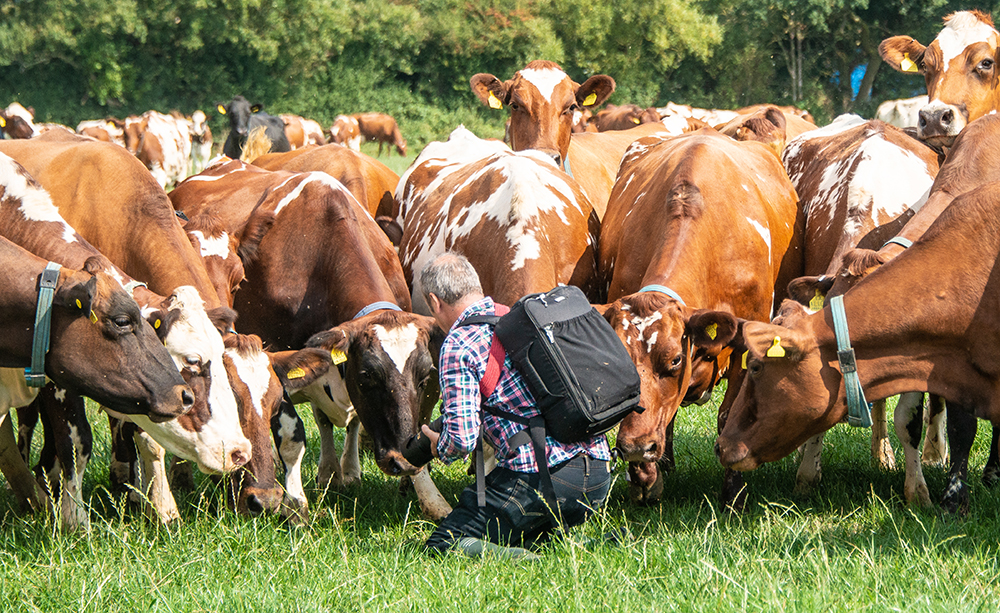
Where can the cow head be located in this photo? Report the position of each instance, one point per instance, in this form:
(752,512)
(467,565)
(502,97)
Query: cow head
(101,348)
(209,434)
(542,101)
(960,69)
(766,126)
(789,396)
(389,376)
(17,121)
(200,132)
(679,353)
(134,133)
(239,111)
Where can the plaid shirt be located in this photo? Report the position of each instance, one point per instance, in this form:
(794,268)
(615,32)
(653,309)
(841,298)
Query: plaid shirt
(464,355)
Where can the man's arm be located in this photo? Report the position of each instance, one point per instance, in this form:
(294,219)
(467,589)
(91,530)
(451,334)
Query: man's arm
(461,401)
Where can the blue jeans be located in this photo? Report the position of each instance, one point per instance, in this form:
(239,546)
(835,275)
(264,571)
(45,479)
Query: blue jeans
(515,512)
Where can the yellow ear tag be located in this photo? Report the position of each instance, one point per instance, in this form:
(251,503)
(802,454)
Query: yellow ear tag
(816,304)
(776,350)
(111,126)
(745,354)
(495,102)
(635,120)
(156,324)
(295,373)
(907,65)
(79,304)
(712,330)
(3,124)
(338,356)
(590,99)
(93,317)
(222,109)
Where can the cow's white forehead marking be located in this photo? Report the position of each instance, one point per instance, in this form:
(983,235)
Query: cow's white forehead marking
(36,204)
(544,79)
(218,246)
(398,343)
(253,371)
(961,31)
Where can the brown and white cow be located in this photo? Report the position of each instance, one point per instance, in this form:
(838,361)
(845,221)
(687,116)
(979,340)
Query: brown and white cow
(17,121)
(960,70)
(162,143)
(382,128)
(201,141)
(301,132)
(524,225)
(108,130)
(944,343)
(345,131)
(624,117)
(903,113)
(347,291)
(712,117)
(716,220)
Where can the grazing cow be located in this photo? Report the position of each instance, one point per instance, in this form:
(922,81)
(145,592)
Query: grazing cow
(108,130)
(944,343)
(717,216)
(345,131)
(348,292)
(960,70)
(382,128)
(201,141)
(902,113)
(162,143)
(243,118)
(858,181)
(525,226)
(17,121)
(87,181)
(624,117)
(542,101)
(301,131)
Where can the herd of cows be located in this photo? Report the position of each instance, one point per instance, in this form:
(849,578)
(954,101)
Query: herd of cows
(744,245)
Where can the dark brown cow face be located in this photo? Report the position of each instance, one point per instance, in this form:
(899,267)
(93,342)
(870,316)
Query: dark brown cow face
(785,400)
(102,348)
(960,68)
(678,352)
(390,376)
(542,101)
(15,126)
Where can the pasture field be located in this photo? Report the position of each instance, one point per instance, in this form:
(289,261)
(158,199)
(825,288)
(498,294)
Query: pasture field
(853,545)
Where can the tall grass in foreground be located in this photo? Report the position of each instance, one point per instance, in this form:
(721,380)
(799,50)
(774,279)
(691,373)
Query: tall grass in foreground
(853,545)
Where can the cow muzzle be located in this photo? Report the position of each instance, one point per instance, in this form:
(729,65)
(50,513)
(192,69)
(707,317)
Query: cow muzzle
(734,455)
(395,465)
(642,450)
(178,402)
(939,123)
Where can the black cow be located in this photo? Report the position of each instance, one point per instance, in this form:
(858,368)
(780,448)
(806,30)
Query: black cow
(243,118)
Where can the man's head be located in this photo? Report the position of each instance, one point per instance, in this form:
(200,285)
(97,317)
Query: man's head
(450,284)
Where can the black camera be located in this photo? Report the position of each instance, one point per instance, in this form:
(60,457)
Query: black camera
(418,450)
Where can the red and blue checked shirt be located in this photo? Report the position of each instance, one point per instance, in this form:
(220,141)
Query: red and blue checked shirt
(464,355)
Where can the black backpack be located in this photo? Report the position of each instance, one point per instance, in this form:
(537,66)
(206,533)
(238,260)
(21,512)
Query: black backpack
(577,369)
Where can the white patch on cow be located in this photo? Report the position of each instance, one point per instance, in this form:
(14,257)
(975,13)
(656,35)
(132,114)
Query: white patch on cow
(675,124)
(398,343)
(307,178)
(841,124)
(962,30)
(889,180)
(60,395)
(545,80)
(217,246)
(651,341)
(641,323)
(625,323)
(35,202)
(254,371)
(764,234)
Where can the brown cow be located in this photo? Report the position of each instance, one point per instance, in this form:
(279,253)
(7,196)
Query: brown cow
(345,131)
(624,117)
(786,110)
(301,132)
(717,216)
(382,128)
(944,343)
(960,70)
(17,121)
(108,130)
(766,124)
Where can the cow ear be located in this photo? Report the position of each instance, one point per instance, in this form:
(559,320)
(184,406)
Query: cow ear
(903,53)
(489,90)
(595,91)
(712,330)
(391,228)
(436,338)
(77,296)
(223,319)
(339,339)
(810,291)
(257,108)
(297,369)
(162,320)
(771,342)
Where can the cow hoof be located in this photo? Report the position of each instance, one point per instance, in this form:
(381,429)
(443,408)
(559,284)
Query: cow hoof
(805,487)
(956,500)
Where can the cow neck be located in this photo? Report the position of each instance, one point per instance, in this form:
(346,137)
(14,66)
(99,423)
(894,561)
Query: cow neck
(167,260)
(355,261)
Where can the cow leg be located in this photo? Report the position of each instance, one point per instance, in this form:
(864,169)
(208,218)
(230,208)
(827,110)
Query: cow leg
(961,434)
(991,472)
(290,439)
(350,461)
(160,500)
(810,471)
(908,420)
(881,448)
(27,419)
(123,470)
(328,474)
(15,469)
(935,443)
(432,503)
(65,454)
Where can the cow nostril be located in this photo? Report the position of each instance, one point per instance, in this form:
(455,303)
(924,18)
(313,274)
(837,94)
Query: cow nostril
(947,117)
(254,507)
(187,400)
(922,121)
(718,450)
(239,458)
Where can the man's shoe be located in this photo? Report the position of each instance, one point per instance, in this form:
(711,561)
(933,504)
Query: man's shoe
(475,548)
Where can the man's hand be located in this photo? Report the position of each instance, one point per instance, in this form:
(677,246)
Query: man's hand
(434,436)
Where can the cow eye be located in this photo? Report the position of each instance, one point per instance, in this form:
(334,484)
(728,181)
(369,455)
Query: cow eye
(755,368)
(122,321)
(986,64)
(193,361)
(676,362)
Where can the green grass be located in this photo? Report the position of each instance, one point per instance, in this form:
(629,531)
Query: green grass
(854,545)
(390,157)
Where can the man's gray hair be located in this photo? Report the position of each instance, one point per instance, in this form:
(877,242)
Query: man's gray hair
(450,277)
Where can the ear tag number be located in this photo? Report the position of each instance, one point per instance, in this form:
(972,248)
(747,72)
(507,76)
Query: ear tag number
(712,331)
(495,102)
(222,109)
(907,64)
(816,303)
(776,350)
(338,356)
(93,317)
(590,99)
(295,373)
(745,354)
